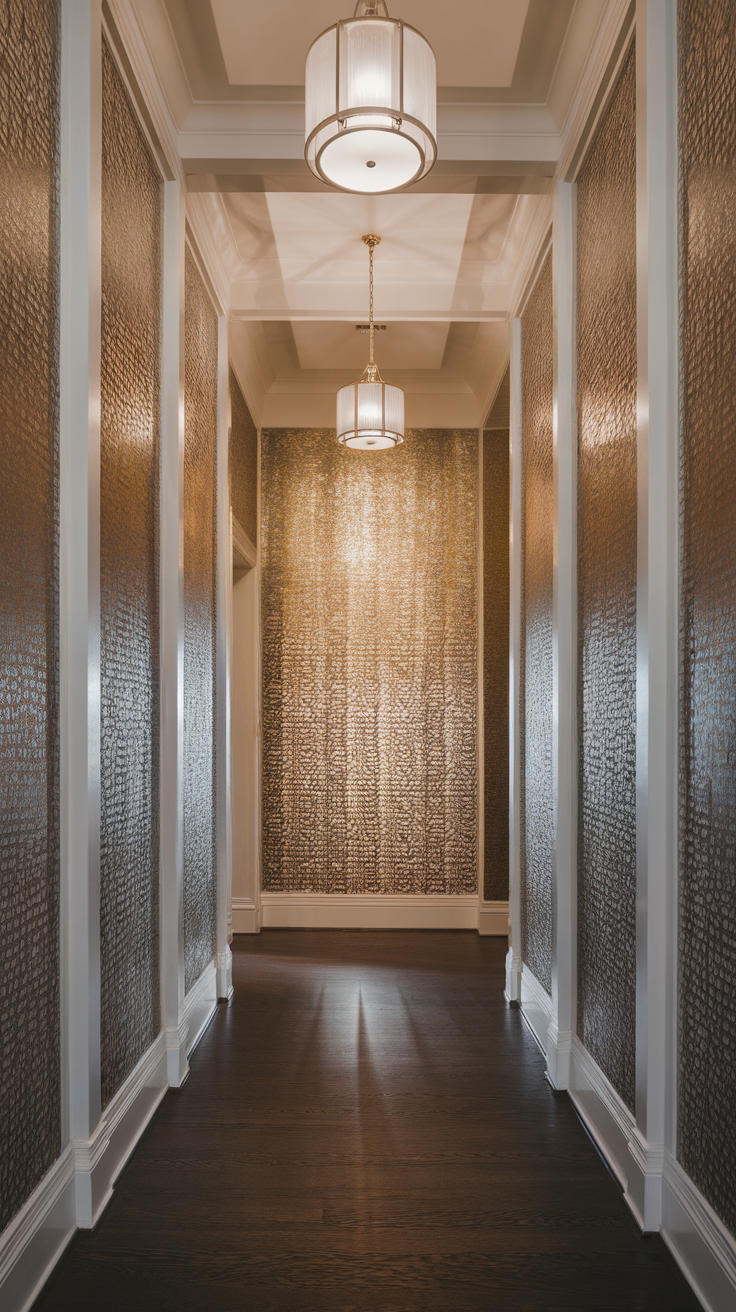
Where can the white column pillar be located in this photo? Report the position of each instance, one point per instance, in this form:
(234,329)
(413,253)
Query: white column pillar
(657,608)
(80,303)
(172,635)
(223,642)
(564,643)
(513,959)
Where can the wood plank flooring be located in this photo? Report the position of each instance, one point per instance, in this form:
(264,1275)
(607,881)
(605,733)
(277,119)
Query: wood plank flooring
(366,1126)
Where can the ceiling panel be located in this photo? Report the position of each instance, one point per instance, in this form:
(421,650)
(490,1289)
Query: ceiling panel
(476,42)
(317,237)
(325,345)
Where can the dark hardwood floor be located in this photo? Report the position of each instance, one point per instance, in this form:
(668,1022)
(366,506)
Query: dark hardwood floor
(366,1126)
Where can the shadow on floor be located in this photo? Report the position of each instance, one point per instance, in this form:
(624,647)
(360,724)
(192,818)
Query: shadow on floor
(366,1126)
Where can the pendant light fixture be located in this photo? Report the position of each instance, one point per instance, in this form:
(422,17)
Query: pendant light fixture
(371,103)
(370,413)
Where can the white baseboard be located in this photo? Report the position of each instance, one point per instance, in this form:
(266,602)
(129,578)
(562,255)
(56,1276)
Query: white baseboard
(368,911)
(493,919)
(98,1161)
(246,916)
(75,1192)
(698,1240)
(536,1007)
(33,1242)
(658,1192)
(200,1005)
(636,1163)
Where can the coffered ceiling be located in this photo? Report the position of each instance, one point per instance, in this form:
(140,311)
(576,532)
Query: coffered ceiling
(232,75)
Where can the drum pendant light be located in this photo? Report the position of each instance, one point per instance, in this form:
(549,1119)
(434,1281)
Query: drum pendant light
(370,413)
(371,103)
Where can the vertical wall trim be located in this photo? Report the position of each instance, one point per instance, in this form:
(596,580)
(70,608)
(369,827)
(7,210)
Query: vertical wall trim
(564,643)
(223,648)
(657,611)
(513,959)
(172,635)
(80,303)
(480,731)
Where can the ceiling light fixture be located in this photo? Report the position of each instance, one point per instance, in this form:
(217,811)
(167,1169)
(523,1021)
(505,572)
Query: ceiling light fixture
(371,103)
(370,413)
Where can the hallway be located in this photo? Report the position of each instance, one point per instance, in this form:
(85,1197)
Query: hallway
(366,1126)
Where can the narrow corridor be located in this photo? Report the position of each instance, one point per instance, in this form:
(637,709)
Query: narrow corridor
(366,1126)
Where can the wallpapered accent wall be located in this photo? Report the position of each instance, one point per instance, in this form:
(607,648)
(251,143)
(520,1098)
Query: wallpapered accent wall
(537,811)
(369,664)
(607,520)
(707,896)
(200,541)
(30,1075)
(129,610)
(496,593)
(243,461)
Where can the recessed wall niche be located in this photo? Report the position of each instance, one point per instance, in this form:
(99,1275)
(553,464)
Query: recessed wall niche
(132,194)
(707,891)
(30,1070)
(537,803)
(200,595)
(607,529)
(369,664)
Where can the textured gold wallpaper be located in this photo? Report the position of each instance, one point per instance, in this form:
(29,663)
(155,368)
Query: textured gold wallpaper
(369,664)
(200,600)
(30,1018)
(607,528)
(243,451)
(496,592)
(132,194)
(706,1095)
(537,706)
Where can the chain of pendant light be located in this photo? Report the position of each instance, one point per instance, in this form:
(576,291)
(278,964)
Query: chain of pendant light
(371,242)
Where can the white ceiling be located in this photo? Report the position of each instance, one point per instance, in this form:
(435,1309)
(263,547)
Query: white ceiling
(476,42)
(292,267)
(402,346)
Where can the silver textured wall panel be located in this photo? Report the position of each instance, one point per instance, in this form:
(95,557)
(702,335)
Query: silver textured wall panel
(129,609)
(369,664)
(537,810)
(607,528)
(30,1076)
(200,556)
(707,894)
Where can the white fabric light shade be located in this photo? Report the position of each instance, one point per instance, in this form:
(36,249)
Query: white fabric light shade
(370,416)
(371,105)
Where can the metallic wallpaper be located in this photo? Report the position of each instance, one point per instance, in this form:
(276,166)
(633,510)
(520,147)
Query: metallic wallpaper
(496,595)
(537,810)
(243,462)
(129,609)
(707,893)
(607,529)
(30,1076)
(369,664)
(200,530)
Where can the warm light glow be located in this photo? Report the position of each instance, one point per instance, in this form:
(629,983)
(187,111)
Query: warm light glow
(380,65)
(370,416)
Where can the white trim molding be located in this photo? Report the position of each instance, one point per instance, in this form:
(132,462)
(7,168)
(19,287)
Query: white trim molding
(493,919)
(246,916)
(536,1007)
(35,1239)
(698,1240)
(99,1160)
(370,911)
